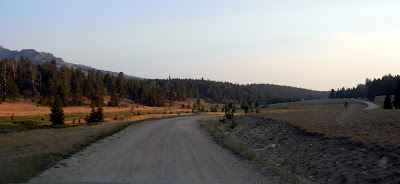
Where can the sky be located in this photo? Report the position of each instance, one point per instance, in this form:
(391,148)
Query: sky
(313,44)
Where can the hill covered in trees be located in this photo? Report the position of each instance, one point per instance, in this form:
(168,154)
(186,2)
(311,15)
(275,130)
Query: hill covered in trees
(377,87)
(75,87)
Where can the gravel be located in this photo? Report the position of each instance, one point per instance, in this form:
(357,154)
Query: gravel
(173,150)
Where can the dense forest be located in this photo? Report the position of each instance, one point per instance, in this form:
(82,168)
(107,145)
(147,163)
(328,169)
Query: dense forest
(75,87)
(387,85)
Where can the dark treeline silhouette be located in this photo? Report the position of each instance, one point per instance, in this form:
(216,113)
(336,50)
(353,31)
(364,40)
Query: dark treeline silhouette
(377,87)
(48,82)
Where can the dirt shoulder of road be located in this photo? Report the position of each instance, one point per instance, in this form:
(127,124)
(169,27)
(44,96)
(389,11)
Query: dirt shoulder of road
(314,156)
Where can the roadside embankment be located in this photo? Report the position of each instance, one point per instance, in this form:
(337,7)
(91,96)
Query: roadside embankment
(314,157)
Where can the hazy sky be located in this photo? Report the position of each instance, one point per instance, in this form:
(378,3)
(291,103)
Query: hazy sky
(317,44)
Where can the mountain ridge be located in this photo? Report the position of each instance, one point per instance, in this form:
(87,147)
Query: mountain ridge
(41,57)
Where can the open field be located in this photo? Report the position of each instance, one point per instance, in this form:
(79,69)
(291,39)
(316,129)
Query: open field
(322,104)
(330,118)
(33,116)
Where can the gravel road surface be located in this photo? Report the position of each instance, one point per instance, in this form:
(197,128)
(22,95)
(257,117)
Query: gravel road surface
(173,150)
(370,106)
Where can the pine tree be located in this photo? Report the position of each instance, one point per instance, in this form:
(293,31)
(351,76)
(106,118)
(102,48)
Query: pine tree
(121,87)
(92,116)
(246,109)
(234,109)
(244,104)
(388,102)
(12,89)
(396,100)
(198,104)
(332,94)
(57,113)
(100,115)
(114,101)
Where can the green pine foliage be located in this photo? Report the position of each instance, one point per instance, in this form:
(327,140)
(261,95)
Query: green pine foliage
(74,86)
(387,104)
(332,94)
(376,87)
(95,116)
(57,114)
(396,100)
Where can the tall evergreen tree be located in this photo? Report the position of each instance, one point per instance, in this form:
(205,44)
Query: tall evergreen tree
(57,114)
(387,104)
(198,103)
(121,88)
(396,100)
(332,94)
(12,89)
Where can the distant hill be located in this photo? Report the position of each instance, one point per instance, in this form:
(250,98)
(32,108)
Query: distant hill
(41,57)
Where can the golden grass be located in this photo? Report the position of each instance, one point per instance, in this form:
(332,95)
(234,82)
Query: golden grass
(31,109)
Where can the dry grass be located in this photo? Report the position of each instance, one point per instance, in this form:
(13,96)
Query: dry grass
(31,109)
(322,104)
(375,126)
(380,99)
(24,154)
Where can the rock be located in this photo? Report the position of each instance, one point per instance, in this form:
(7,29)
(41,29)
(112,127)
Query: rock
(383,162)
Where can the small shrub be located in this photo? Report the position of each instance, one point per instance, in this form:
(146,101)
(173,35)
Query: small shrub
(233,124)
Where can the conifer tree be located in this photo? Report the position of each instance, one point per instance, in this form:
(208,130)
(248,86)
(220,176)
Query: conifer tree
(332,94)
(57,113)
(387,104)
(114,101)
(244,104)
(121,88)
(12,89)
(234,109)
(100,116)
(396,100)
(198,104)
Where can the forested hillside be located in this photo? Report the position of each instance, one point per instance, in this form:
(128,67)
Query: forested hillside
(377,87)
(44,82)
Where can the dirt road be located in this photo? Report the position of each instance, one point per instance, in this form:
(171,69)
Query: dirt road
(370,106)
(174,150)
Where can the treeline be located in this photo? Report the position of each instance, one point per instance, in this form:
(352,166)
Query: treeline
(46,82)
(377,87)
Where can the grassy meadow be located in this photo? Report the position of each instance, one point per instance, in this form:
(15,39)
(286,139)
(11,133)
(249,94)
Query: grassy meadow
(330,118)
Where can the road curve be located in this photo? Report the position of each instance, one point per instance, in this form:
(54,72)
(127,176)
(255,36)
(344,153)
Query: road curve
(173,150)
(370,106)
